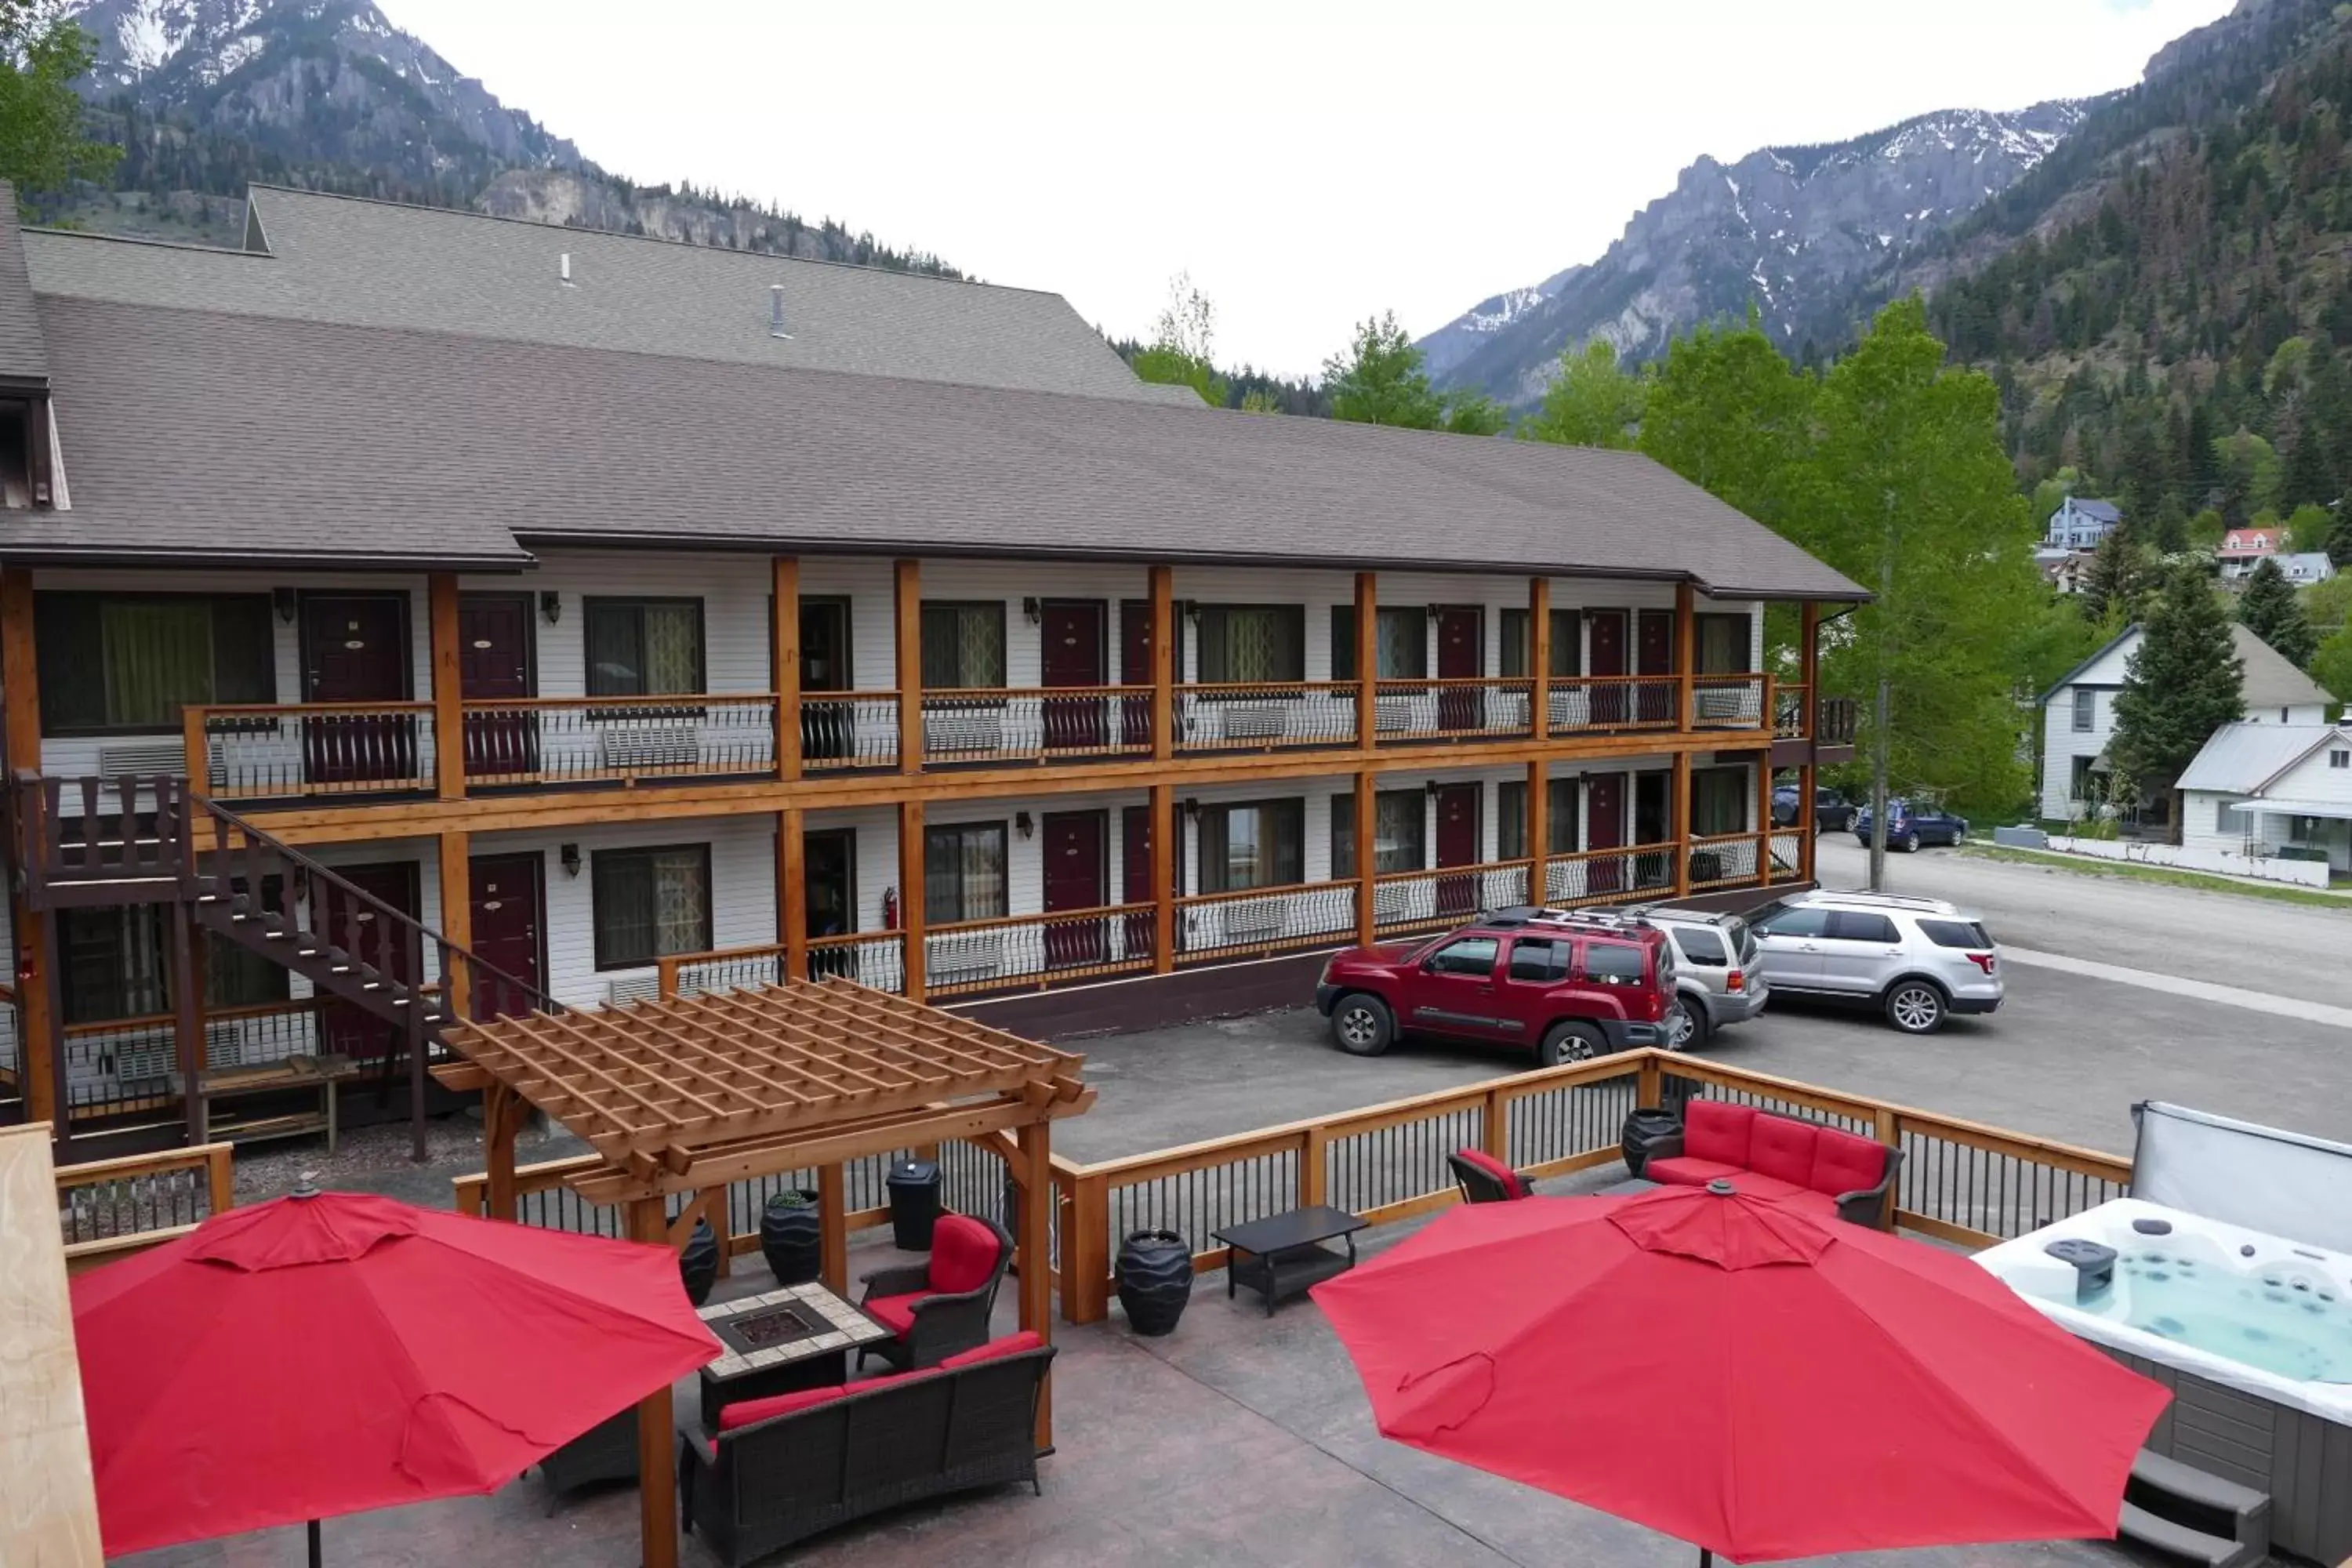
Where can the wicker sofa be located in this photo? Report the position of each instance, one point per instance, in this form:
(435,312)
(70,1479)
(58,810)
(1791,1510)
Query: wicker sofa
(782,1469)
(1820,1169)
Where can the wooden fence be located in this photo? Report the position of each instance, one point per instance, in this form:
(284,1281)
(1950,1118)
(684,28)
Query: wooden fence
(109,1209)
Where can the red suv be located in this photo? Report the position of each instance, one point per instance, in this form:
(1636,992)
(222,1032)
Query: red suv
(1568,986)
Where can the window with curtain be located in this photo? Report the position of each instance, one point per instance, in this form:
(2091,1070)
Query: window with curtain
(1252,643)
(1723,644)
(1718,801)
(117,963)
(1400,643)
(1400,825)
(963,873)
(644,647)
(1258,845)
(964,644)
(129,662)
(1511,818)
(650,903)
(1565,653)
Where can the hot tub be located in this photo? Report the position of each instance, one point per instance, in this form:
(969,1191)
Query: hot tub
(2253,1333)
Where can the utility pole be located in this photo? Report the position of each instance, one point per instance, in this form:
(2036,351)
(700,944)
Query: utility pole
(1882,712)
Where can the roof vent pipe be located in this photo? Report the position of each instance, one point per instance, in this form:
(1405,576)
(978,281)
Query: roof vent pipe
(776,311)
(564,269)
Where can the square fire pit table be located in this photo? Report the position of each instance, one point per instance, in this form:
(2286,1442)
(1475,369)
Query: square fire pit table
(1283,1255)
(795,1337)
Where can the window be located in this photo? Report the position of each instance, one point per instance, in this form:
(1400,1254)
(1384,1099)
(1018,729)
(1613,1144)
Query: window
(963,646)
(1511,819)
(2078,780)
(128,662)
(964,874)
(117,963)
(1956,933)
(2086,710)
(1565,653)
(1723,644)
(1718,801)
(1471,956)
(650,903)
(2340,759)
(1612,964)
(1252,643)
(1400,821)
(1401,643)
(643,647)
(1702,947)
(1259,845)
(2226,820)
(1539,959)
(1854,925)
(1793,920)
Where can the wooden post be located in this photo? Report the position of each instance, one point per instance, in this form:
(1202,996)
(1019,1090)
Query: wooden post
(1764,814)
(1678,819)
(908,582)
(910,892)
(1032,1248)
(1368,660)
(784,661)
(832,1227)
(1163,878)
(502,1119)
(1539,662)
(1163,662)
(1649,1086)
(1686,640)
(1808,663)
(457,922)
(20,706)
(1539,830)
(1086,1250)
(792,891)
(448,687)
(1367,885)
(1495,1125)
(1315,1166)
(656,1427)
(188,1018)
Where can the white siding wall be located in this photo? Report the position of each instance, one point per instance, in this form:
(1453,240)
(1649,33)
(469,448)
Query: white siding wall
(2062,743)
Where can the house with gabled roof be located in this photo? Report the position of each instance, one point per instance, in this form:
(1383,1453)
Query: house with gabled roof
(2272,790)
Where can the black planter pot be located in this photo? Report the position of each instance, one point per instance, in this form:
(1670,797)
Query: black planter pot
(698,1265)
(792,1240)
(1644,1130)
(1155,1279)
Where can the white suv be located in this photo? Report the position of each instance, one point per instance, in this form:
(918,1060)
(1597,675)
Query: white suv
(1916,960)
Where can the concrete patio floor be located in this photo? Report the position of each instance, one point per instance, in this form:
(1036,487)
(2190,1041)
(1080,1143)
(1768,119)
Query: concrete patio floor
(1239,1439)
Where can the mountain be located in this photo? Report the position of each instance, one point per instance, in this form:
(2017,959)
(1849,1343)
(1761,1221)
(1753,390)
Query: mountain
(207,94)
(1788,229)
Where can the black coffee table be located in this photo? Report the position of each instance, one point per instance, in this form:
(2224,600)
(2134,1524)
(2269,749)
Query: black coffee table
(1283,1255)
(797,1336)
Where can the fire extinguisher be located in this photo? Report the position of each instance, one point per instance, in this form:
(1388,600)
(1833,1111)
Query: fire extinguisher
(889,908)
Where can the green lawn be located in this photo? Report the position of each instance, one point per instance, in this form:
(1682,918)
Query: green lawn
(2276,892)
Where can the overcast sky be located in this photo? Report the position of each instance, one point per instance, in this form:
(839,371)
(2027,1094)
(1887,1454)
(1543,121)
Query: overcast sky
(1309,162)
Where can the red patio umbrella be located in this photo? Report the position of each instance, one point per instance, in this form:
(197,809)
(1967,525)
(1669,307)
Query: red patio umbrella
(1736,1374)
(326,1353)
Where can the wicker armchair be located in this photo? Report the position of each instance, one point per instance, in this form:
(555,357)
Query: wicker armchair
(1485,1179)
(938,1308)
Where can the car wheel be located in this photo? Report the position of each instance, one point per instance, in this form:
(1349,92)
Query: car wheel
(1959,831)
(1686,1026)
(1362,1026)
(1909,842)
(1566,1043)
(1916,1008)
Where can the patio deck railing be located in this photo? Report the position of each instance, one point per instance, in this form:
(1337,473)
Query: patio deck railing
(108,1208)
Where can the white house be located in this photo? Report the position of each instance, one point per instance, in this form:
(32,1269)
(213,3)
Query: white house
(2244,548)
(2307,566)
(2078,714)
(2264,789)
(2080,524)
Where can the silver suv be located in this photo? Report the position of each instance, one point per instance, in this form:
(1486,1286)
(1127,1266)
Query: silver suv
(1717,981)
(1916,960)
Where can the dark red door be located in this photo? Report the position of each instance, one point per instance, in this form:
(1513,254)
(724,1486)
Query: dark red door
(1604,828)
(1074,846)
(1655,656)
(1457,844)
(1135,872)
(1608,638)
(494,666)
(505,930)
(355,649)
(1460,656)
(1072,652)
(362,932)
(1135,670)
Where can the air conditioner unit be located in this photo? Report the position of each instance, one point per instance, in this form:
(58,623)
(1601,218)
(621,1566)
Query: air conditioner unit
(633,988)
(145,1057)
(1257,720)
(141,759)
(963,956)
(1724,704)
(634,748)
(979,730)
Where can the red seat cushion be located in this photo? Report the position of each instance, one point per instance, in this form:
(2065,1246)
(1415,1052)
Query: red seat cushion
(1843,1162)
(745,1412)
(1714,1131)
(1781,1147)
(1011,1344)
(1495,1168)
(1683,1171)
(963,1254)
(896,1313)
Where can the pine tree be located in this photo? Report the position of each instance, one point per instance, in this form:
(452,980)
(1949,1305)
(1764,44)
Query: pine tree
(2118,576)
(2269,609)
(2184,681)
(2339,540)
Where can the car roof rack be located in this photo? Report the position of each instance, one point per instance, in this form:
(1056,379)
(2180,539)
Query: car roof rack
(1533,914)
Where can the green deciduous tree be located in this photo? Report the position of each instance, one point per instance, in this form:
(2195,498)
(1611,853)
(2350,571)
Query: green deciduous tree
(2184,681)
(2332,666)
(1727,412)
(2338,544)
(2269,609)
(1379,381)
(44,139)
(1593,402)
(1183,344)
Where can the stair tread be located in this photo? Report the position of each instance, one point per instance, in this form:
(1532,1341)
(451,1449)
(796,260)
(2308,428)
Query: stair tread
(2136,1524)
(2202,1488)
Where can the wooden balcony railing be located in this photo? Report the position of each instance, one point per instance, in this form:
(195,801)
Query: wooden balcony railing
(522,743)
(1258,921)
(1253,716)
(845,730)
(109,1208)
(1792,710)
(1407,901)
(269,752)
(1729,702)
(1833,722)
(1595,704)
(1008,724)
(876,959)
(130,1067)
(1483,707)
(1607,876)
(1068,945)
(1726,861)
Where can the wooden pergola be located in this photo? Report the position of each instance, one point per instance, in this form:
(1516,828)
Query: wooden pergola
(687,1094)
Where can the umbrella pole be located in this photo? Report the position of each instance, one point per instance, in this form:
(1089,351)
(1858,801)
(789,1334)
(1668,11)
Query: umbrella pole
(315,1558)
(1706,1558)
